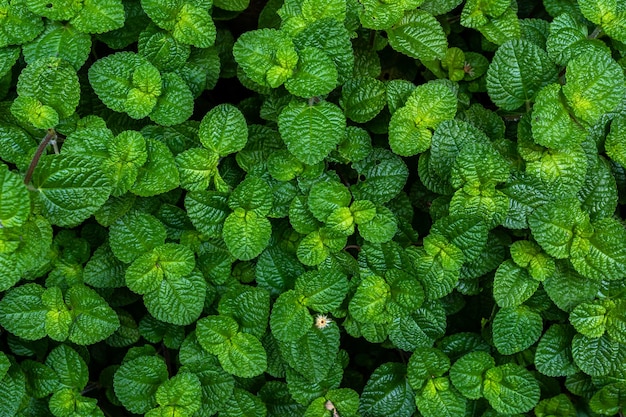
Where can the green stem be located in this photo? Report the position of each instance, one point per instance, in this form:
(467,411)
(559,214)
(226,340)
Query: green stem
(50,137)
(596,33)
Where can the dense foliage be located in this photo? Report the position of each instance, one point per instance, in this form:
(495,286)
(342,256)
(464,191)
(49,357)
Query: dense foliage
(319,208)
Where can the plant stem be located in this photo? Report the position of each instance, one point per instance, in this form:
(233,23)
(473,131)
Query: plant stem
(50,136)
(596,33)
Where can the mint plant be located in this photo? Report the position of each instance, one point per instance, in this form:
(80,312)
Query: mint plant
(319,208)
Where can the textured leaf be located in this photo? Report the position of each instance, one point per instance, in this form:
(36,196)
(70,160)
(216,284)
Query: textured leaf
(23,313)
(175,104)
(368,304)
(246,233)
(595,357)
(603,255)
(178,299)
(98,16)
(425,364)
(137,381)
(554,352)
(512,285)
(418,35)
(382,176)
(467,373)
(551,122)
(249,306)
(290,319)
(224,130)
(303,354)
(315,74)
(207,210)
(516,329)
(70,189)
(510,389)
(135,234)
(311,131)
(387,392)
(147,271)
(159,174)
(93,319)
(323,291)
(252,195)
(180,394)
(14,199)
(518,71)
(64,41)
(363,98)
(69,366)
(267,56)
(18,24)
(595,85)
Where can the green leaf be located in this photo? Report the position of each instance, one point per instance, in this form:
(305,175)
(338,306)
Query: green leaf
(59,40)
(267,56)
(595,356)
(418,35)
(436,399)
(382,228)
(178,299)
(554,352)
(388,393)
(246,233)
(70,189)
(327,196)
(510,389)
(180,394)
(311,131)
(244,356)
(290,319)
(608,400)
(127,153)
(137,381)
(23,313)
(589,319)
(377,15)
(425,364)
(602,256)
(552,124)
(303,354)
(12,389)
(161,49)
(175,104)
(249,306)
(363,98)
(323,291)
(18,24)
(382,175)
(368,304)
(148,270)
(554,226)
(527,254)
(277,270)
(135,234)
(224,130)
(207,210)
(214,332)
(126,82)
(99,16)
(53,82)
(614,144)
(512,285)
(243,403)
(14,199)
(93,320)
(69,366)
(567,288)
(516,329)
(252,195)
(315,75)
(159,174)
(595,85)
(468,372)
(518,71)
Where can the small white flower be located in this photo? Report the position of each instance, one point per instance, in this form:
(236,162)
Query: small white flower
(322,320)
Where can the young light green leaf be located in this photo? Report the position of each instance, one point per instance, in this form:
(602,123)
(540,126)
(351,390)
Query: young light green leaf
(595,85)
(370,299)
(512,285)
(267,56)
(148,270)
(551,122)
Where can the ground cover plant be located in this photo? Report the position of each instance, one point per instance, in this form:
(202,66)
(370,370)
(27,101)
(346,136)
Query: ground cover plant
(319,208)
